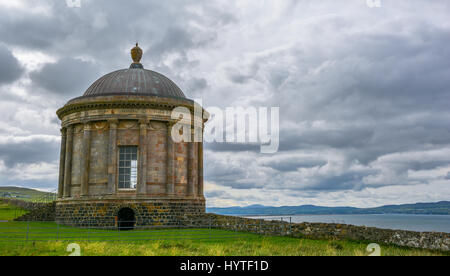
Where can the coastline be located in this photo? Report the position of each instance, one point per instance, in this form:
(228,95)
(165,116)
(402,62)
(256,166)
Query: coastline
(404,222)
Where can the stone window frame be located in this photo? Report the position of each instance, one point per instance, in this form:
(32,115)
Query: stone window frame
(119,167)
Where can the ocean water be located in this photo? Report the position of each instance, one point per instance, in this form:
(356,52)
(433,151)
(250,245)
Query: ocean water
(419,223)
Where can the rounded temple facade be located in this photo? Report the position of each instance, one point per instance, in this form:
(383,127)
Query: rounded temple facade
(119,164)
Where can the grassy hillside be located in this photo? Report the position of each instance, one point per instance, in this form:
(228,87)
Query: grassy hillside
(48,239)
(23,194)
(438,208)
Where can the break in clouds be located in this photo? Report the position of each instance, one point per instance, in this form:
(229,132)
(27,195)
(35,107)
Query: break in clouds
(363,92)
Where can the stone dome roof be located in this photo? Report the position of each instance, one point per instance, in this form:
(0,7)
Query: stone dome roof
(135,81)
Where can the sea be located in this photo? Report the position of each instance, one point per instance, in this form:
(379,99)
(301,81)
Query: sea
(418,223)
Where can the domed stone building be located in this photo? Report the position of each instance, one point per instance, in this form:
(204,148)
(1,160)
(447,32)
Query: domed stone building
(119,164)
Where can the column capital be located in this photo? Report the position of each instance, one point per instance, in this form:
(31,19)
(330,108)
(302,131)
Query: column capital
(113,122)
(87,126)
(69,128)
(144,122)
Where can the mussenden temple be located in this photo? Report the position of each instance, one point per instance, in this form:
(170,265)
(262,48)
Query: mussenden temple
(119,166)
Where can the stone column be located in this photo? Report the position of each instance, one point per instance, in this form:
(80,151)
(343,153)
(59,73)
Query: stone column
(62,159)
(142,162)
(85,159)
(68,161)
(170,166)
(192,166)
(200,170)
(112,156)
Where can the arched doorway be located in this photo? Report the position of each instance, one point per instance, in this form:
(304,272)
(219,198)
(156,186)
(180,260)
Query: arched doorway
(126,219)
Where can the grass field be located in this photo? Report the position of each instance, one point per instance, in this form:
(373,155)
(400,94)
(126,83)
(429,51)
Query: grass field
(9,213)
(49,239)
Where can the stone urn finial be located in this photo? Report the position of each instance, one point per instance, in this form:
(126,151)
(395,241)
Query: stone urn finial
(136,55)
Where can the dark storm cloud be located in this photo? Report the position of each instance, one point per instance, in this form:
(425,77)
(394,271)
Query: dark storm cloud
(32,30)
(103,29)
(377,93)
(293,164)
(233,147)
(239,78)
(10,69)
(217,193)
(447,176)
(229,174)
(66,77)
(29,151)
(196,84)
(345,181)
(175,39)
(348,137)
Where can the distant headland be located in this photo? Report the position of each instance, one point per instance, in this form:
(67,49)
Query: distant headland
(438,208)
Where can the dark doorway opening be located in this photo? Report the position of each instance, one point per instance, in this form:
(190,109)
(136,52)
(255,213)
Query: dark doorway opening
(126,219)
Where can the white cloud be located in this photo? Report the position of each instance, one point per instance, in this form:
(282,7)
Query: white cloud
(36,171)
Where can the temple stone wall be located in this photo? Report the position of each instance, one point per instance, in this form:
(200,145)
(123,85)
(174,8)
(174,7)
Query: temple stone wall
(128,134)
(157,159)
(181,169)
(98,169)
(170,174)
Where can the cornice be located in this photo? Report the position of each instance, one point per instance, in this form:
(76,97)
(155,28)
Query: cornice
(86,104)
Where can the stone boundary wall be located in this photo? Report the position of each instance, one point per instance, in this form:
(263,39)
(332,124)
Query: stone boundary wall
(40,212)
(36,211)
(26,205)
(423,240)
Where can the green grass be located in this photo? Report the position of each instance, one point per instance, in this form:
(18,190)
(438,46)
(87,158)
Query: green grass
(48,239)
(8,212)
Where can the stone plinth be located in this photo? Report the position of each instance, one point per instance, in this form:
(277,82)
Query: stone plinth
(148,212)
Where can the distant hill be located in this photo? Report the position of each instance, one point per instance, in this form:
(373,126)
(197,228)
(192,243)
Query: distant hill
(438,208)
(24,194)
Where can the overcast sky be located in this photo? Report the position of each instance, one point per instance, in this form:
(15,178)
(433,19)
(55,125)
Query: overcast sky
(363,92)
